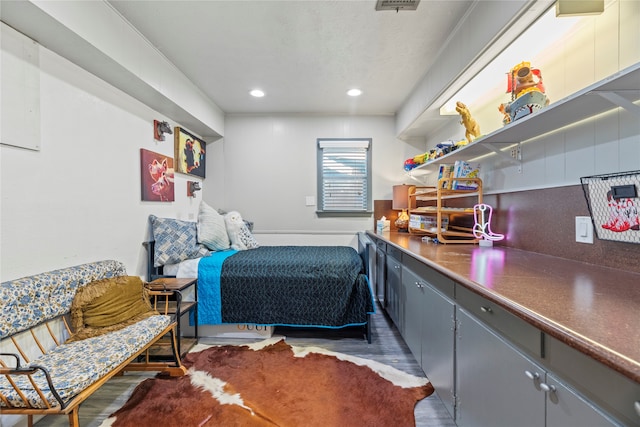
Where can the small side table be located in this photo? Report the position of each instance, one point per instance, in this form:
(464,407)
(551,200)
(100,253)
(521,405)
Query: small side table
(186,307)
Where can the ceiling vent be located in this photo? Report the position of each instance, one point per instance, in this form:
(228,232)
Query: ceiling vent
(397,5)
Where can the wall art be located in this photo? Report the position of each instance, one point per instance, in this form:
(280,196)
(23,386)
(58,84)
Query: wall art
(156,177)
(190,153)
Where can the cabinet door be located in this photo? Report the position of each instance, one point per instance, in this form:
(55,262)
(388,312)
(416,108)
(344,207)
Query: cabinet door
(491,382)
(413,293)
(394,291)
(381,277)
(438,344)
(566,409)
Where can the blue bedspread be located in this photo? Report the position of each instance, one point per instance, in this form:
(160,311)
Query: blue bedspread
(209,271)
(285,285)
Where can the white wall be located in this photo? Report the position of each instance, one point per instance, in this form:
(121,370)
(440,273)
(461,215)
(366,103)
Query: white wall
(78,199)
(270,168)
(598,48)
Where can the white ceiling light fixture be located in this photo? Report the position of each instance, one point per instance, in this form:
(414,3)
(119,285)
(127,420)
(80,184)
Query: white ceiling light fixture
(256,93)
(354,92)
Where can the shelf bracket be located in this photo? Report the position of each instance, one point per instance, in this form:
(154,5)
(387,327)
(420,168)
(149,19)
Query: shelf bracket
(419,180)
(514,156)
(619,100)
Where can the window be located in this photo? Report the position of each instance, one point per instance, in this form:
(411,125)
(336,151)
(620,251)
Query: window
(344,176)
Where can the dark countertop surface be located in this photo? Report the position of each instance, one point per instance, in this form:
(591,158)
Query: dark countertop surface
(593,309)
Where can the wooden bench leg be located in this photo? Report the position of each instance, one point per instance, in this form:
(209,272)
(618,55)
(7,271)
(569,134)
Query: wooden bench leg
(74,418)
(179,370)
(30,420)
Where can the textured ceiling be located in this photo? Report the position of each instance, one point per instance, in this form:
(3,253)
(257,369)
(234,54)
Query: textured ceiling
(304,54)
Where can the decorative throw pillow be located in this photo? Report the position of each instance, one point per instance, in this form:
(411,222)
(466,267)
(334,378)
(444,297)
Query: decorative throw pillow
(239,234)
(249,224)
(212,231)
(175,241)
(107,305)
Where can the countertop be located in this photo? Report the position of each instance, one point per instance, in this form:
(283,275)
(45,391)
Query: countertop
(593,309)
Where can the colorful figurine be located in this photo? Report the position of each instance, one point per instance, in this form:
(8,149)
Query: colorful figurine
(472,127)
(527,93)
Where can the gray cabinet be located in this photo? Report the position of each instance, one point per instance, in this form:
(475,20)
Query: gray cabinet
(565,408)
(413,292)
(381,273)
(429,327)
(395,306)
(492,368)
(498,385)
(438,348)
(493,389)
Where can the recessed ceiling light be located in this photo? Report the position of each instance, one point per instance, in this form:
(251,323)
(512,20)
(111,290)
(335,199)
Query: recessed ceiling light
(257,93)
(354,92)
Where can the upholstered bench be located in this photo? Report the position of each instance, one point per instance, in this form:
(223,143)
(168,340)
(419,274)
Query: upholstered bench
(48,368)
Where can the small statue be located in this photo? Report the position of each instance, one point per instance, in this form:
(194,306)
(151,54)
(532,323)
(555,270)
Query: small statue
(472,127)
(527,93)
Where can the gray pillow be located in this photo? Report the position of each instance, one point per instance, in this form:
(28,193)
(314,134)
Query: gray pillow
(175,241)
(212,231)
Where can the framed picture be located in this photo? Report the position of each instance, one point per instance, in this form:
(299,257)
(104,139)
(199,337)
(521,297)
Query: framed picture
(156,177)
(190,153)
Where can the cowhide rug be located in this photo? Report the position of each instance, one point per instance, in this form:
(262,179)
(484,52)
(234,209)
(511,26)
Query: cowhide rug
(274,384)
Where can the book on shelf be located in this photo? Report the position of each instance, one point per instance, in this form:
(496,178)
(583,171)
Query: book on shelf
(445,171)
(462,169)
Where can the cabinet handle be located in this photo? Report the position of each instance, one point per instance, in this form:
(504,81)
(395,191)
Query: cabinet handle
(547,388)
(486,309)
(532,375)
(636,406)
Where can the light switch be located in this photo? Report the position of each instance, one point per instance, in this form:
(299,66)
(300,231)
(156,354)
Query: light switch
(584,229)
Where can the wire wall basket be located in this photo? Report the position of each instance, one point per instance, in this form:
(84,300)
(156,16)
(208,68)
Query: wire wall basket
(614,205)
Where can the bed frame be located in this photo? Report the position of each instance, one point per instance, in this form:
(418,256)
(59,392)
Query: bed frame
(154,273)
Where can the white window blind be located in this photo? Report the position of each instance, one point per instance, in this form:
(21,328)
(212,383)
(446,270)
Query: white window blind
(344,175)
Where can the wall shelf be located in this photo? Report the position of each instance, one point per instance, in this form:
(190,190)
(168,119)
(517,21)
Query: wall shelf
(621,89)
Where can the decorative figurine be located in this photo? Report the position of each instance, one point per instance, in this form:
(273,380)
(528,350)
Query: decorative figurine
(527,93)
(472,127)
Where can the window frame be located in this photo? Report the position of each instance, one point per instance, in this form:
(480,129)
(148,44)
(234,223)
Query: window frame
(355,142)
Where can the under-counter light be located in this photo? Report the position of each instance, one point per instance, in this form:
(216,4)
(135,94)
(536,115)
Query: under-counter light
(541,35)
(579,8)
(354,92)
(257,93)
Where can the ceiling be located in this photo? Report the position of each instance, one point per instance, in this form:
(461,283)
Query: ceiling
(304,54)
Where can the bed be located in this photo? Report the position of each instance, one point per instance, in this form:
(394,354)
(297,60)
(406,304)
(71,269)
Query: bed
(298,286)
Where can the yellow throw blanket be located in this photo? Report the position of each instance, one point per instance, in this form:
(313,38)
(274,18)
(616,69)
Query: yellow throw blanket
(108,305)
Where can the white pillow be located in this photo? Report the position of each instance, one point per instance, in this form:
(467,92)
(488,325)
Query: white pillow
(212,231)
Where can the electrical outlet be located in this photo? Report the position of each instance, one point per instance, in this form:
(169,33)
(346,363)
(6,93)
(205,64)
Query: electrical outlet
(515,151)
(584,229)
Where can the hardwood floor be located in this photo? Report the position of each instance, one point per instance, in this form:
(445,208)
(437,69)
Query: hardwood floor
(387,347)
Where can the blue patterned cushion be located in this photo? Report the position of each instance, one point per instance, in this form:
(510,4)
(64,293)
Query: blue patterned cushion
(175,241)
(91,359)
(35,299)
